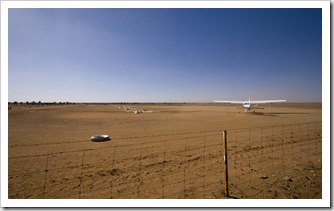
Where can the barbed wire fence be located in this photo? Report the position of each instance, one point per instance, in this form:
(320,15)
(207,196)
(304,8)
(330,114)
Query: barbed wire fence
(276,162)
(261,162)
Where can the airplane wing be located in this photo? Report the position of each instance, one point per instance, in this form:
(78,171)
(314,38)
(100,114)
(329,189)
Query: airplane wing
(267,101)
(228,102)
(252,101)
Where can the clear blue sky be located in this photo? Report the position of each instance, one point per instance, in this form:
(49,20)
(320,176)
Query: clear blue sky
(164,55)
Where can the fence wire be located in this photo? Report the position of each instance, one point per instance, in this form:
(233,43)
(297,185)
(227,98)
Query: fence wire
(262,162)
(276,162)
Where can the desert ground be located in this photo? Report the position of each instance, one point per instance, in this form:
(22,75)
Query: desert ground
(163,151)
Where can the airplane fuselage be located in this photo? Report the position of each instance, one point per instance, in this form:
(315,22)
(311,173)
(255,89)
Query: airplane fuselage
(247,106)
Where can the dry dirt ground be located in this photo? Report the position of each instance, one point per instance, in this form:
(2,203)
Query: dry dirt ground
(167,151)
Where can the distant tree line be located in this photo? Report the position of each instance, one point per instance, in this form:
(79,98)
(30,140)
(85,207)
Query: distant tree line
(97,103)
(40,103)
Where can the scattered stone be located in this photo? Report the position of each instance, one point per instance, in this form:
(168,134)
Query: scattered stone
(264,177)
(287,179)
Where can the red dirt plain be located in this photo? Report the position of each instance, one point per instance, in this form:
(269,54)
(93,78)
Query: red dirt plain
(51,155)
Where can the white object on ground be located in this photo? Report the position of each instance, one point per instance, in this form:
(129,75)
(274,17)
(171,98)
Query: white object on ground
(100,138)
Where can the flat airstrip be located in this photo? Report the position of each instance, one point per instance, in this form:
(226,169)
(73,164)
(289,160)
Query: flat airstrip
(35,132)
(38,124)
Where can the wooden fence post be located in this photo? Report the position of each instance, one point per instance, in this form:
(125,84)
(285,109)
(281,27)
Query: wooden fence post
(225,163)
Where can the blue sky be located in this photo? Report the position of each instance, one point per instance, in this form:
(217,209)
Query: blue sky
(164,55)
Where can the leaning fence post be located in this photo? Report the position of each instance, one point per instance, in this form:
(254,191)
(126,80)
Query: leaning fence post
(225,163)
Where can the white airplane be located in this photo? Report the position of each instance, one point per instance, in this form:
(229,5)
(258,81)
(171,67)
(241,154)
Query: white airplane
(248,104)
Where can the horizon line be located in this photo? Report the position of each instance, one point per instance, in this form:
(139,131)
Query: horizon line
(134,102)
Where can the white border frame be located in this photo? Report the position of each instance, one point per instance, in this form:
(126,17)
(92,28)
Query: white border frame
(324,202)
